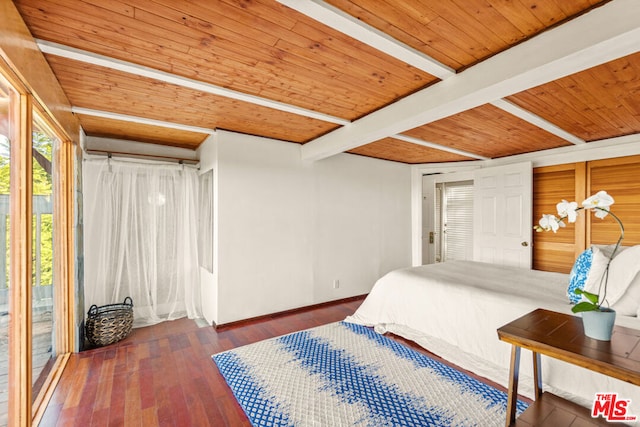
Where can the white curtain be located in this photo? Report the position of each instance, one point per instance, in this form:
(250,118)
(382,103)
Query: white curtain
(141,238)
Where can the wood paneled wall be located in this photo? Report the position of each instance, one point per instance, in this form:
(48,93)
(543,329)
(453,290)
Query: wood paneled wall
(574,182)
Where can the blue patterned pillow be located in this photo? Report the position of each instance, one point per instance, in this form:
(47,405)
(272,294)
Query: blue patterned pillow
(579,274)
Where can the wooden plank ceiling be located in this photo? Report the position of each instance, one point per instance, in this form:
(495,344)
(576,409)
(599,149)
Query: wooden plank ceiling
(169,72)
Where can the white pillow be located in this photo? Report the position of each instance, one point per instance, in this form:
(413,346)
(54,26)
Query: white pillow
(607,250)
(599,261)
(629,302)
(600,258)
(622,271)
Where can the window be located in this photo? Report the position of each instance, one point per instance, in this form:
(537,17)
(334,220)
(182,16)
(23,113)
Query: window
(44,144)
(454,220)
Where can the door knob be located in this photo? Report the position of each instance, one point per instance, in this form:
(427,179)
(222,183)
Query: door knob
(525,244)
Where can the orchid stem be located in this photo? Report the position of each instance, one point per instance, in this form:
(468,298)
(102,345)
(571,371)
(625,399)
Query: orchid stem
(605,275)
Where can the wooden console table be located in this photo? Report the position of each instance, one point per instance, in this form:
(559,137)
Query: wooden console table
(561,336)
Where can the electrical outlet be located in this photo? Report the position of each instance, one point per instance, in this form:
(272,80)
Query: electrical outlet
(336,284)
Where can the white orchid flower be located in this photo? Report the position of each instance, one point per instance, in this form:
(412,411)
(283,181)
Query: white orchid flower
(567,210)
(601,212)
(600,203)
(550,222)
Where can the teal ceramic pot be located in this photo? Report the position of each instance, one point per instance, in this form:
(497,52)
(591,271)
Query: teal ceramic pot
(599,324)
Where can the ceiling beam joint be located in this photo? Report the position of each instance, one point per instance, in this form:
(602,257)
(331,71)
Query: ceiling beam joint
(599,36)
(364,33)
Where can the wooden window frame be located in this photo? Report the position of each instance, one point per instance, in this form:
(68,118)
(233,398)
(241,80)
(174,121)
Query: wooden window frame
(23,409)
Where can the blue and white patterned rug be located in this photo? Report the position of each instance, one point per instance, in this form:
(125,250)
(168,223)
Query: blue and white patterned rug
(343,374)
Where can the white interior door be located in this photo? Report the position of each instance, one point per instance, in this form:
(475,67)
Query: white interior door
(502,223)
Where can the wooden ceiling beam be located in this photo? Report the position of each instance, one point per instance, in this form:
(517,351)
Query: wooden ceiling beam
(141,120)
(536,120)
(320,11)
(353,27)
(438,146)
(112,63)
(347,24)
(139,70)
(604,34)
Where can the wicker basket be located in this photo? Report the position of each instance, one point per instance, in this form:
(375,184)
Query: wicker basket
(109,323)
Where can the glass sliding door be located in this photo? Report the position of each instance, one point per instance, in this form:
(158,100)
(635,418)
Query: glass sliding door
(44,146)
(7,95)
(36,256)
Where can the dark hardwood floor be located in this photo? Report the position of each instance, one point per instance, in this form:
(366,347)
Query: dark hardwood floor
(163,375)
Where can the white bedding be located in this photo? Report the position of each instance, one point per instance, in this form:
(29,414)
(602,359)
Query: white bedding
(454,309)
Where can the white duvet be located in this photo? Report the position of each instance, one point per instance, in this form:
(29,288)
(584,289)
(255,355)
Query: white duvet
(453,309)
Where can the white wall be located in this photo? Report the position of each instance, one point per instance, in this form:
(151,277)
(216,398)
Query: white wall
(207,154)
(286,229)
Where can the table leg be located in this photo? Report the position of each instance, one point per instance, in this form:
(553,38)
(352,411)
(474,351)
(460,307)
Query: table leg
(537,375)
(512,398)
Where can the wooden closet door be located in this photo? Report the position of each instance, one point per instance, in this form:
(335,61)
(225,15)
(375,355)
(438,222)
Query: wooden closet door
(620,177)
(558,251)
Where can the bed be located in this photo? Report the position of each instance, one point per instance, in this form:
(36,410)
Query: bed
(453,309)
